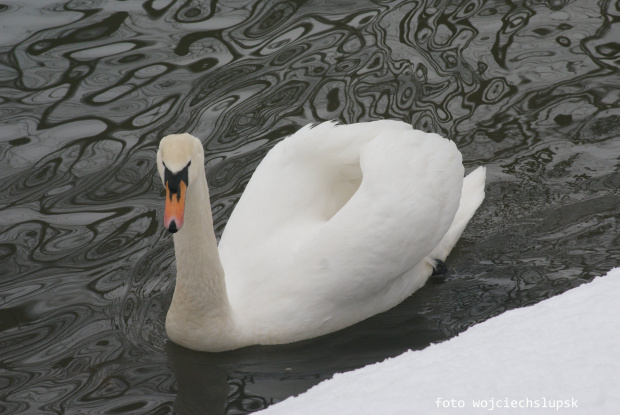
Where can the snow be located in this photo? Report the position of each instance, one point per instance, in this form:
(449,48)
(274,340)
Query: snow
(562,353)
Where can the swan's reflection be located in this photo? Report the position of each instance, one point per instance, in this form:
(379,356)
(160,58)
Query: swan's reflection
(252,378)
(240,381)
(202,381)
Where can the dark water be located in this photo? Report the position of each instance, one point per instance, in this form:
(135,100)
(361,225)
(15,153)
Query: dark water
(87,88)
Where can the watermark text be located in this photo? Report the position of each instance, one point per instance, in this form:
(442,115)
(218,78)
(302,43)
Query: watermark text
(503,403)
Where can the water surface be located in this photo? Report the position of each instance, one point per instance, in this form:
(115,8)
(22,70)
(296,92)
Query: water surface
(87,88)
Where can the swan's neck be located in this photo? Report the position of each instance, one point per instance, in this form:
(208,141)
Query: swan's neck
(200,316)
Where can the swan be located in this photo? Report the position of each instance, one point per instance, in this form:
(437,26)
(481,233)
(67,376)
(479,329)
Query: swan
(338,223)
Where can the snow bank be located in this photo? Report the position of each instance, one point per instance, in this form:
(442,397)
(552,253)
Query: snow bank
(559,356)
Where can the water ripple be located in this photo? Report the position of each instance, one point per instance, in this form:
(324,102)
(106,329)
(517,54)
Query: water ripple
(87,89)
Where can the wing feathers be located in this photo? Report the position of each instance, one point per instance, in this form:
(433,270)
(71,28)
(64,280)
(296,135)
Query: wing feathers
(409,194)
(335,214)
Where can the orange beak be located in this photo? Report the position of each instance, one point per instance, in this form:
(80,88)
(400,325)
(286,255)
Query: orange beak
(175,208)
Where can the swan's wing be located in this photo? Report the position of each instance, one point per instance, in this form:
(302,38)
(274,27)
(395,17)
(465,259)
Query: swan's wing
(307,176)
(337,213)
(406,203)
(299,184)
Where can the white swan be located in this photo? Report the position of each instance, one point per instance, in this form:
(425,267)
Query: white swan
(338,223)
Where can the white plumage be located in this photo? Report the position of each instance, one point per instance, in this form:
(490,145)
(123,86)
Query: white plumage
(338,223)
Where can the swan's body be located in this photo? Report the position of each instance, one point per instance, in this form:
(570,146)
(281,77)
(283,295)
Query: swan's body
(338,223)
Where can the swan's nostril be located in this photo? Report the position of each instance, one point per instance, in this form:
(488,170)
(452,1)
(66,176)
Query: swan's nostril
(173,227)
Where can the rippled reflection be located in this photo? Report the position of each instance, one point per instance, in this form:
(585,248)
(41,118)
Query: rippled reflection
(87,88)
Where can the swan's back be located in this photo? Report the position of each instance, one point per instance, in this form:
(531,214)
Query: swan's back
(332,220)
(307,177)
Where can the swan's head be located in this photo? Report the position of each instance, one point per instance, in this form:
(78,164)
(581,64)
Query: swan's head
(179,159)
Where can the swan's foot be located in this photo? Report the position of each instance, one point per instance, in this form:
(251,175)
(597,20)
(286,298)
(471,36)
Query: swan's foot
(440,268)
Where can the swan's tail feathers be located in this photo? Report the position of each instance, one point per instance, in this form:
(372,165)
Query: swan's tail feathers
(472,196)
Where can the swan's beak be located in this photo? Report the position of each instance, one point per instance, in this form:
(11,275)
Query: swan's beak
(175,208)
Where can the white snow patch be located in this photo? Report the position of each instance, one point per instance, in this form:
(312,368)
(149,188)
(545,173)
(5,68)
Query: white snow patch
(566,349)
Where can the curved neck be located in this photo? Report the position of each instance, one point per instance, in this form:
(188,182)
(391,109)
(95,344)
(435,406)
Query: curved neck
(200,302)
